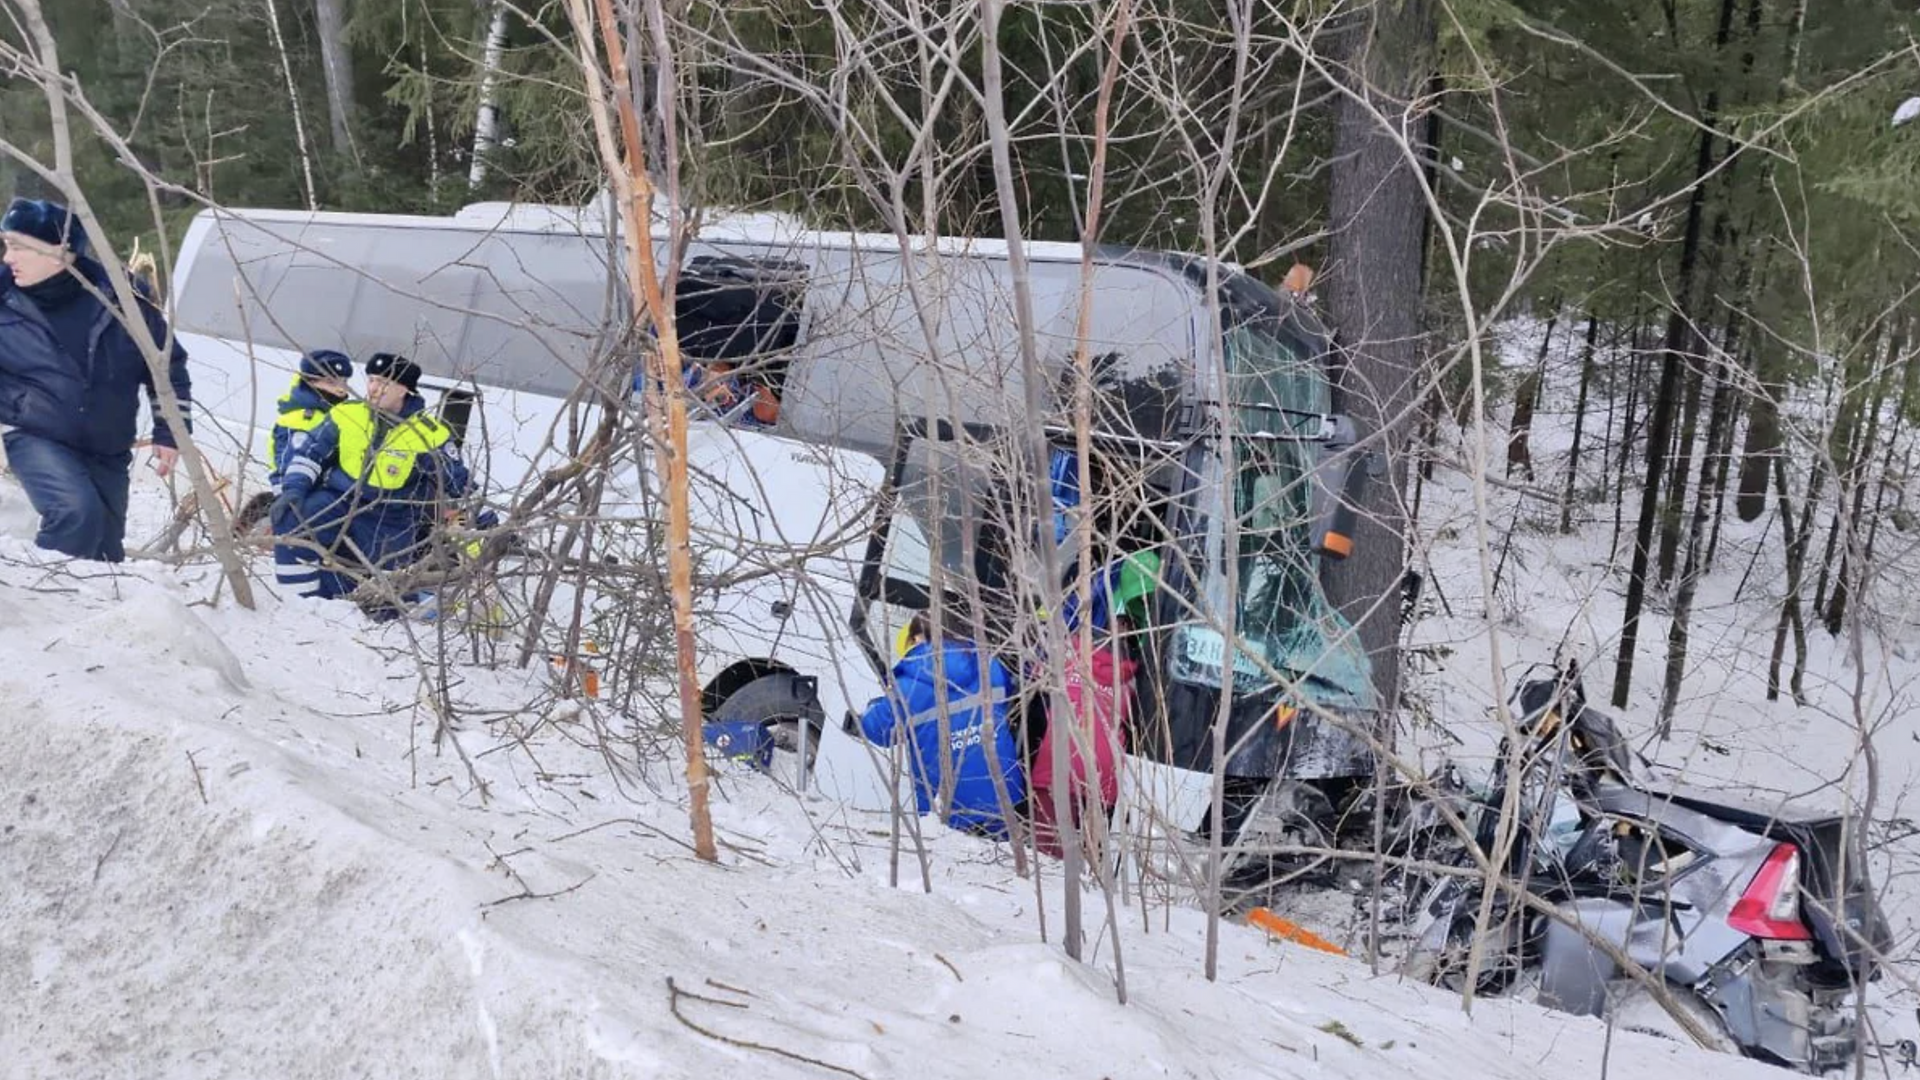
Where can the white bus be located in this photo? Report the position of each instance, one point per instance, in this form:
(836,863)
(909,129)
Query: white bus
(905,352)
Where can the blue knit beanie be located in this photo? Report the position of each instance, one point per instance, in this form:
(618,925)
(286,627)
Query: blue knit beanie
(48,222)
(326,364)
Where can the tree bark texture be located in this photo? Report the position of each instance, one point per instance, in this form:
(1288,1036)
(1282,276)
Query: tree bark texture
(1377,212)
(336,64)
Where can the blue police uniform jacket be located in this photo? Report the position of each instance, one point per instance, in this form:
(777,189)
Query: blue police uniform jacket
(287,441)
(385,523)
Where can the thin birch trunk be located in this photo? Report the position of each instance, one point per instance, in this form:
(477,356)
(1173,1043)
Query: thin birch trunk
(634,191)
(486,125)
(1066,797)
(293,98)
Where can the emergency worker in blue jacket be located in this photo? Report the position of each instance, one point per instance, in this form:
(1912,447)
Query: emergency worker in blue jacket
(71,375)
(977,762)
(370,483)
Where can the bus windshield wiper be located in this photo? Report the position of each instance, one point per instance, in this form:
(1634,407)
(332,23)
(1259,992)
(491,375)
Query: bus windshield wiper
(1325,422)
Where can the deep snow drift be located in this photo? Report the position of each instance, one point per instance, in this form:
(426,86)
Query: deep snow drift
(231,848)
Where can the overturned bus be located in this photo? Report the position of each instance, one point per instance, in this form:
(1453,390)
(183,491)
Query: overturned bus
(1213,432)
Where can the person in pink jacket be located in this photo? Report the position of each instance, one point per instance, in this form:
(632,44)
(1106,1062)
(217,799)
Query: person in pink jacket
(1098,688)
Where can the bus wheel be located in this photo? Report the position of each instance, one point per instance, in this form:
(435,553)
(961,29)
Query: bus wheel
(252,514)
(782,703)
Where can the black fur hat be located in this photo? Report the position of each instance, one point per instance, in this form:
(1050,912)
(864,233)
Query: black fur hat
(48,222)
(395,368)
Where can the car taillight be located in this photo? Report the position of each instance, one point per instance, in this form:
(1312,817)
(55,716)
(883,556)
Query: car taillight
(1770,908)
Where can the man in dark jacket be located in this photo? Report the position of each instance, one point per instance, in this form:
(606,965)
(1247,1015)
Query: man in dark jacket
(974,770)
(70,380)
(374,478)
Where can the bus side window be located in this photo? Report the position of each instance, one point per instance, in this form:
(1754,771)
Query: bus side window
(744,313)
(456,410)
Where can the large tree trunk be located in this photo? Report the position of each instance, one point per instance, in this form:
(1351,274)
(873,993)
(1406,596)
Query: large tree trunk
(336,65)
(1763,414)
(486,124)
(1377,213)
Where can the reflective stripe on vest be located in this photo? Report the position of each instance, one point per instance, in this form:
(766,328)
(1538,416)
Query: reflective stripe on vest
(295,420)
(394,460)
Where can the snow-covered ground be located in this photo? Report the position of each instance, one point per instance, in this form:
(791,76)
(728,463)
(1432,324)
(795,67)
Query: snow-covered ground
(232,848)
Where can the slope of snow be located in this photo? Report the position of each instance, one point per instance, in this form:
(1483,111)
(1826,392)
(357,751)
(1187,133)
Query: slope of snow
(232,847)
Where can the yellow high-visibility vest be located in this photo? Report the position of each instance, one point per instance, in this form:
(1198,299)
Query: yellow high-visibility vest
(294,420)
(391,464)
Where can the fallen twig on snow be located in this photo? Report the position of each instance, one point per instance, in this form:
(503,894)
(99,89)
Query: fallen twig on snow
(101,863)
(673,1005)
(528,894)
(718,985)
(198,780)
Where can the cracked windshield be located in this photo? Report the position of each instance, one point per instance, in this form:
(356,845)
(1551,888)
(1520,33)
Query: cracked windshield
(1282,614)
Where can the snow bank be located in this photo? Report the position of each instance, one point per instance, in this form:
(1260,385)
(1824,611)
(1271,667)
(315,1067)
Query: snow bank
(232,848)
(197,893)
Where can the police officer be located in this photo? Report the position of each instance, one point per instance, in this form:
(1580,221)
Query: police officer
(373,478)
(320,385)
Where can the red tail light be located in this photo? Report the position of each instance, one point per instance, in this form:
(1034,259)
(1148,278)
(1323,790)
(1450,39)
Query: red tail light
(1770,908)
